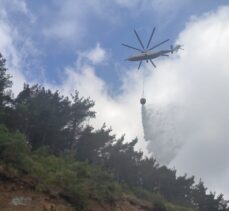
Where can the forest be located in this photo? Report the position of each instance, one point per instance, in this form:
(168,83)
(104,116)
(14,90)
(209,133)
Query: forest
(47,136)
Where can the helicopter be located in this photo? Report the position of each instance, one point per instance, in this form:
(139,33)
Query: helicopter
(146,52)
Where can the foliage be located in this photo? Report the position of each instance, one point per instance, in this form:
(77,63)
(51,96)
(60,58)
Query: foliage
(5,83)
(204,201)
(5,92)
(70,158)
(49,119)
(61,175)
(13,148)
(174,207)
(159,206)
(74,176)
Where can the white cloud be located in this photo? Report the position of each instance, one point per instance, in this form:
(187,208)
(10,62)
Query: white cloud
(128,3)
(114,111)
(96,55)
(14,45)
(164,6)
(66,29)
(9,51)
(195,82)
(161,6)
(14,5)
(71,19)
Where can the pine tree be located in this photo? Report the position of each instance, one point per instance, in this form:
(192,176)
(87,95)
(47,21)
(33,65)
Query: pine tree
(5,83)
(49,119)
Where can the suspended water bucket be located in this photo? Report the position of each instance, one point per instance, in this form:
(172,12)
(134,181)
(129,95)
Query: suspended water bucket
(142,100)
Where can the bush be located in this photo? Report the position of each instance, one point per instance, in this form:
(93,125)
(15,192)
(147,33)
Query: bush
(59,175)
(64,176)
(159,206)
(14,149)
(77,181)
(173,207)
(104,186)
(155,198)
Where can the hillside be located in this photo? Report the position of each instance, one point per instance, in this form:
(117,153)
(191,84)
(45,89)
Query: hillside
(38,181)
(20,194)
(52,159)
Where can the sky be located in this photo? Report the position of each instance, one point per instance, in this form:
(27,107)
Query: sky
(76,45)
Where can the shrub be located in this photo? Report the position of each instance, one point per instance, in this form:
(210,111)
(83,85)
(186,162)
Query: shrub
(14,149)
(77,181)
(159,206)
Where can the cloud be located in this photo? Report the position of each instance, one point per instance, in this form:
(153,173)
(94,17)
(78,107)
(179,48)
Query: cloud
(187,95)
(163,6)
(189,91)
(15,44)
(71,20)
(14,5)
(8,43)
(114,111)
(128,3)
(196,84)
(66,30)
(96,55)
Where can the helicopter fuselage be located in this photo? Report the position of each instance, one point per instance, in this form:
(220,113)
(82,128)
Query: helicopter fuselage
(148,55)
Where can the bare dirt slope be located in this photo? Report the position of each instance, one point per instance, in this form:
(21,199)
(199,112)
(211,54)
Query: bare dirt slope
(18,196)
(126,204)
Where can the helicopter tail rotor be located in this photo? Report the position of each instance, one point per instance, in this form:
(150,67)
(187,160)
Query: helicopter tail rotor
(176,48)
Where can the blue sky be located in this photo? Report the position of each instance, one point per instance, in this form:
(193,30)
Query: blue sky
(75,44)
(59,30)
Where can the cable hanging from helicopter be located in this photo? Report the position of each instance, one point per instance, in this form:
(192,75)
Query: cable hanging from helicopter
(146,54)
(143,100)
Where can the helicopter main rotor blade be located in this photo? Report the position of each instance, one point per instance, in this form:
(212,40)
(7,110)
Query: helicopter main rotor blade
(128,46)
(153,63)
(139,39)
(140,63)
(159,44)
(151,37)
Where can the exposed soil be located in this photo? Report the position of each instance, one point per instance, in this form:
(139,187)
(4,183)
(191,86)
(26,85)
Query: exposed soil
(126,204)
(19,194)
(14,197)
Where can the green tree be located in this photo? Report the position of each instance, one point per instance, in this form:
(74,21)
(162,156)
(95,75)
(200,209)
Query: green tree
(48,118)
(125,161)
(92,145)
(13,148)
(5,92)
(5,83)
(183,190)
(204,201)
(148,169)
(80,112)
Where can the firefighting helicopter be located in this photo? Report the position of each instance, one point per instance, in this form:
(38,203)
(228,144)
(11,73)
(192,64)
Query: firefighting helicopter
(146,53)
